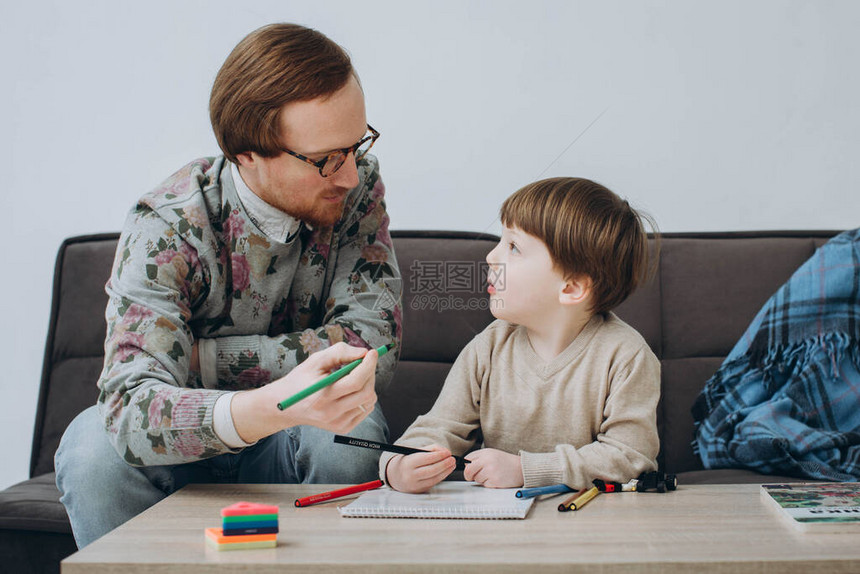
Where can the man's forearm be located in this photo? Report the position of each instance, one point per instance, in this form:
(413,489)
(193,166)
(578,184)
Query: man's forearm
(247,362)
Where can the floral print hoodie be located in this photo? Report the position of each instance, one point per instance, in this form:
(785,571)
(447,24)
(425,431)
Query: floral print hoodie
(191,264)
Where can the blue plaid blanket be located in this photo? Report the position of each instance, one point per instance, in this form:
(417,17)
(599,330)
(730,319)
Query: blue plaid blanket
(787,398)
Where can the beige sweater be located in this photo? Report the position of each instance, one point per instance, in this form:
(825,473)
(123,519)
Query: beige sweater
(588,413)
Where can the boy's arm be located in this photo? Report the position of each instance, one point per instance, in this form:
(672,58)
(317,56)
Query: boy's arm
(454,420)
(362,307)
(626,443)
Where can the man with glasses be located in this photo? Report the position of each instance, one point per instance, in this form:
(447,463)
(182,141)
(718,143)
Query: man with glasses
(239,281)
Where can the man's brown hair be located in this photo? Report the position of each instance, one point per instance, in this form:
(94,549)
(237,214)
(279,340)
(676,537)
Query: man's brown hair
(272,66)
(588,230)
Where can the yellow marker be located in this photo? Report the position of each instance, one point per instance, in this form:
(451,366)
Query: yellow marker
(565,506)
(583,498)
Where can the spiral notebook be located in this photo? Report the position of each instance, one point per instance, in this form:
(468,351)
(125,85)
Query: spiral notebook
(452,499)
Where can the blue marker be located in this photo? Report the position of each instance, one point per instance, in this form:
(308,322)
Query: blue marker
(537,491)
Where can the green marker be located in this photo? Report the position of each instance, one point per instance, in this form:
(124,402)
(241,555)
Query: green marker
(327,380)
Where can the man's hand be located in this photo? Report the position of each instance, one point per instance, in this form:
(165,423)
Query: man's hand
(415,473)
(494,468)
(337,408)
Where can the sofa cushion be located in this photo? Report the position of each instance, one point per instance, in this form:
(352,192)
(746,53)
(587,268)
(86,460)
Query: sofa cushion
(412,392)
(444,306)
(75,348)
(642,310)
(733,476)
(682,383)
(706,290)
(34,551)
(445,302)
(73,388)
(34,505)
(712,288)
(80,326)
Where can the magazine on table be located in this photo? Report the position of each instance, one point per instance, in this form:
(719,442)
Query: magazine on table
(816,506)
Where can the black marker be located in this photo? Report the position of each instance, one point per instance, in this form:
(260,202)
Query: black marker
(360,442)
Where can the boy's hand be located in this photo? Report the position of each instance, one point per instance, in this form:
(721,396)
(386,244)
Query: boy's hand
(416,473)
(494,468)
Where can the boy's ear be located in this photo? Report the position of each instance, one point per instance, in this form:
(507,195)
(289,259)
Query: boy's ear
(575,290)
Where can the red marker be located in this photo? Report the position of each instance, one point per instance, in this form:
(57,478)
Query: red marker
(322,497)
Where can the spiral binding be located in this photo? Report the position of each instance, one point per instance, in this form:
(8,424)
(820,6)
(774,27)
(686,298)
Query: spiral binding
(480,513)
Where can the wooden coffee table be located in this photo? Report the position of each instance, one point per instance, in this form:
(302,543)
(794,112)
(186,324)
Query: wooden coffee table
(698,528)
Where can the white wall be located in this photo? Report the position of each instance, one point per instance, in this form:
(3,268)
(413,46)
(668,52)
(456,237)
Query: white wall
(710,115)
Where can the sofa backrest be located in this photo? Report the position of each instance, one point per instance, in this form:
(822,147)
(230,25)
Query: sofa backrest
(74,352)
(439,269)
(445,305)
(707,288)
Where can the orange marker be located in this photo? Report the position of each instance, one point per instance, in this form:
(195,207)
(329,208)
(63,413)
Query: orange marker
(565,506)
(583,499)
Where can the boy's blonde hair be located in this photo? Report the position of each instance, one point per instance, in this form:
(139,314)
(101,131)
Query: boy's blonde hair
(589,231)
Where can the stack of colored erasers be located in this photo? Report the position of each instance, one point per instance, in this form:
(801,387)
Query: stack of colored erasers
(245,525)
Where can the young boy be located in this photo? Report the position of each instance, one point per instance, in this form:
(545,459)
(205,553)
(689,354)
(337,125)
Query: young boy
(560,388)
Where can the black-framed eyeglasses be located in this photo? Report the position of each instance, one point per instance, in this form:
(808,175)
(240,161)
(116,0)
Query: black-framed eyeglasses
(334,160)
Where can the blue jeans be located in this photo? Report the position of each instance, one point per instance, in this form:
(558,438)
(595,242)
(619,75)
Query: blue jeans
(101,491)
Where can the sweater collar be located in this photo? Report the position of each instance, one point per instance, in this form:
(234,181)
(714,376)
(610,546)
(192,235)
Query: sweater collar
(569,354)
(269,219)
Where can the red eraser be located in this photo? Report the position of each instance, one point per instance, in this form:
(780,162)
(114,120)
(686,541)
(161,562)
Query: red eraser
(244,508)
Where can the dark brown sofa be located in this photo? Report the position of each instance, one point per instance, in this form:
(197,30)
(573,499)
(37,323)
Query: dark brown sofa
(707,288)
